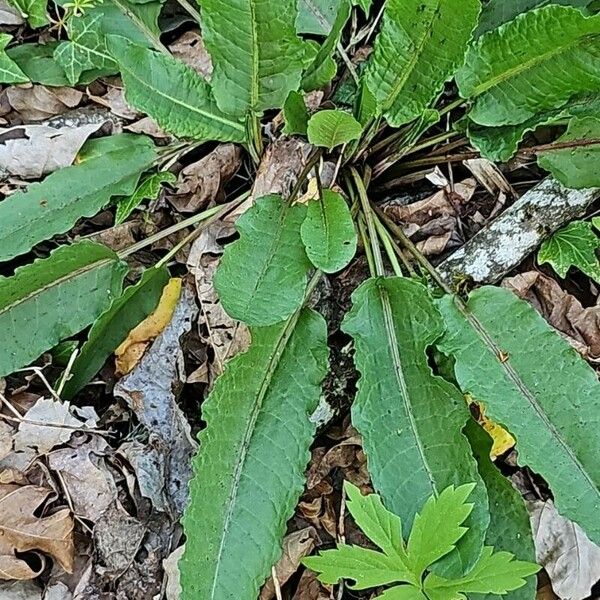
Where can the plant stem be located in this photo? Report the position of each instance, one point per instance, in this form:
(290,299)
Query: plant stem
(155,39)
(362,230)
(313,159)
(432,141)
(384,236)
(190,9)
(449,107)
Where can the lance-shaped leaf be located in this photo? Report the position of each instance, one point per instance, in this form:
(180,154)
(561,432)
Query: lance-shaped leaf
(112,327)
(262,276)
(147,190)
(535,386)
(534,63)
(54,298)
(419,47)
(411,420)
(9,70)
(257,56)
(253,452)
(172,93)
(111,167)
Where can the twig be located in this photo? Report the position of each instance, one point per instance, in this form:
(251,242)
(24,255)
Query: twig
(276,584)
(67,372)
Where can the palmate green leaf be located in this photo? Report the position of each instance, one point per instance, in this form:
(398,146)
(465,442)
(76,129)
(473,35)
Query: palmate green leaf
(54,298)
(537,388)
(32,10)
(112,327)
(328,232)
(256,54)
(419,47)
(9,70)
(510,528)
(577,166)
(295,114)
(53,206)
(249,472)
(262,276)
(172,93)
(572,246)
(330,128)
(411,420)
(532,64)
(147,190)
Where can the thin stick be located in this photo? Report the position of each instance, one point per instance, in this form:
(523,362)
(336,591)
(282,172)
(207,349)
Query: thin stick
(276,584)
(384,236)
(67,372)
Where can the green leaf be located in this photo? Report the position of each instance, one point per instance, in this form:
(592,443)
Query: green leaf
(510,528)
(54,205)
(411,420)
(32,10)
(498,12)
(402,592)
(262,276)
(295,114)
(532,64)
(38,63)
(9,71)
(494,573)
(576,167)
(257,56)
(54,298)
(317,16)
(112,327)
(419,47)
(330,128)
(572,246)
(253,452)
(536,386)
(147,190)
(328,232)
(172,93)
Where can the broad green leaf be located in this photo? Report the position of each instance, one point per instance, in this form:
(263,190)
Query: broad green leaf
(494,573)
(317,16)
(365,105)
(367,568)
(381,526)
(54,205)
(537,387)
(510,528)
(54,298)
(402,592)
(330,128)
(9,70)
(411,420)
(112,327)
(438,526)
(572,246)
(172,93)
(498,12)
(577,166)
(323,67)
(32,10)
(249,472)
(328,232)
(38,63)
(262,276)
(295,114)
(257,56)
(419,47)
(532,64)
(147,190)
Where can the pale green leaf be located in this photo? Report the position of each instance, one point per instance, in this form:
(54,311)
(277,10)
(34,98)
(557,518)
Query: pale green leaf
(367,568)
(330,128)
(53,206)
(365,5)
(411,420)
(419,47)
(328,232)
(9,70)
(402,592)
(32,10)
(112,327)
(257,56)
(295,114)
(317,16)
(576,167)
(54,298)
(572,246)
(172,93)
(147,190)
(494,573)
(532,64)
(262,276)
(249,472)
(536,386)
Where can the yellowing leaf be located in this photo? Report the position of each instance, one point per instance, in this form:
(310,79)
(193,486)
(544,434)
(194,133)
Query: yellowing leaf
(130,352)
(503,441)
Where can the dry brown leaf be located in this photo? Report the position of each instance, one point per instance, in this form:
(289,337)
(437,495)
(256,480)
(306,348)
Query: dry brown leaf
(114,99)
(37,102)
(190,49)
(9,15)
(149,127)
(489,176)
(171,566)
(310,588)
(20,590)
(296,546)
(21,531)
(130,352)
(6,439)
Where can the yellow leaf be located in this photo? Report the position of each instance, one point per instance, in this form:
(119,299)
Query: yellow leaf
(503,441)
(130,352)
